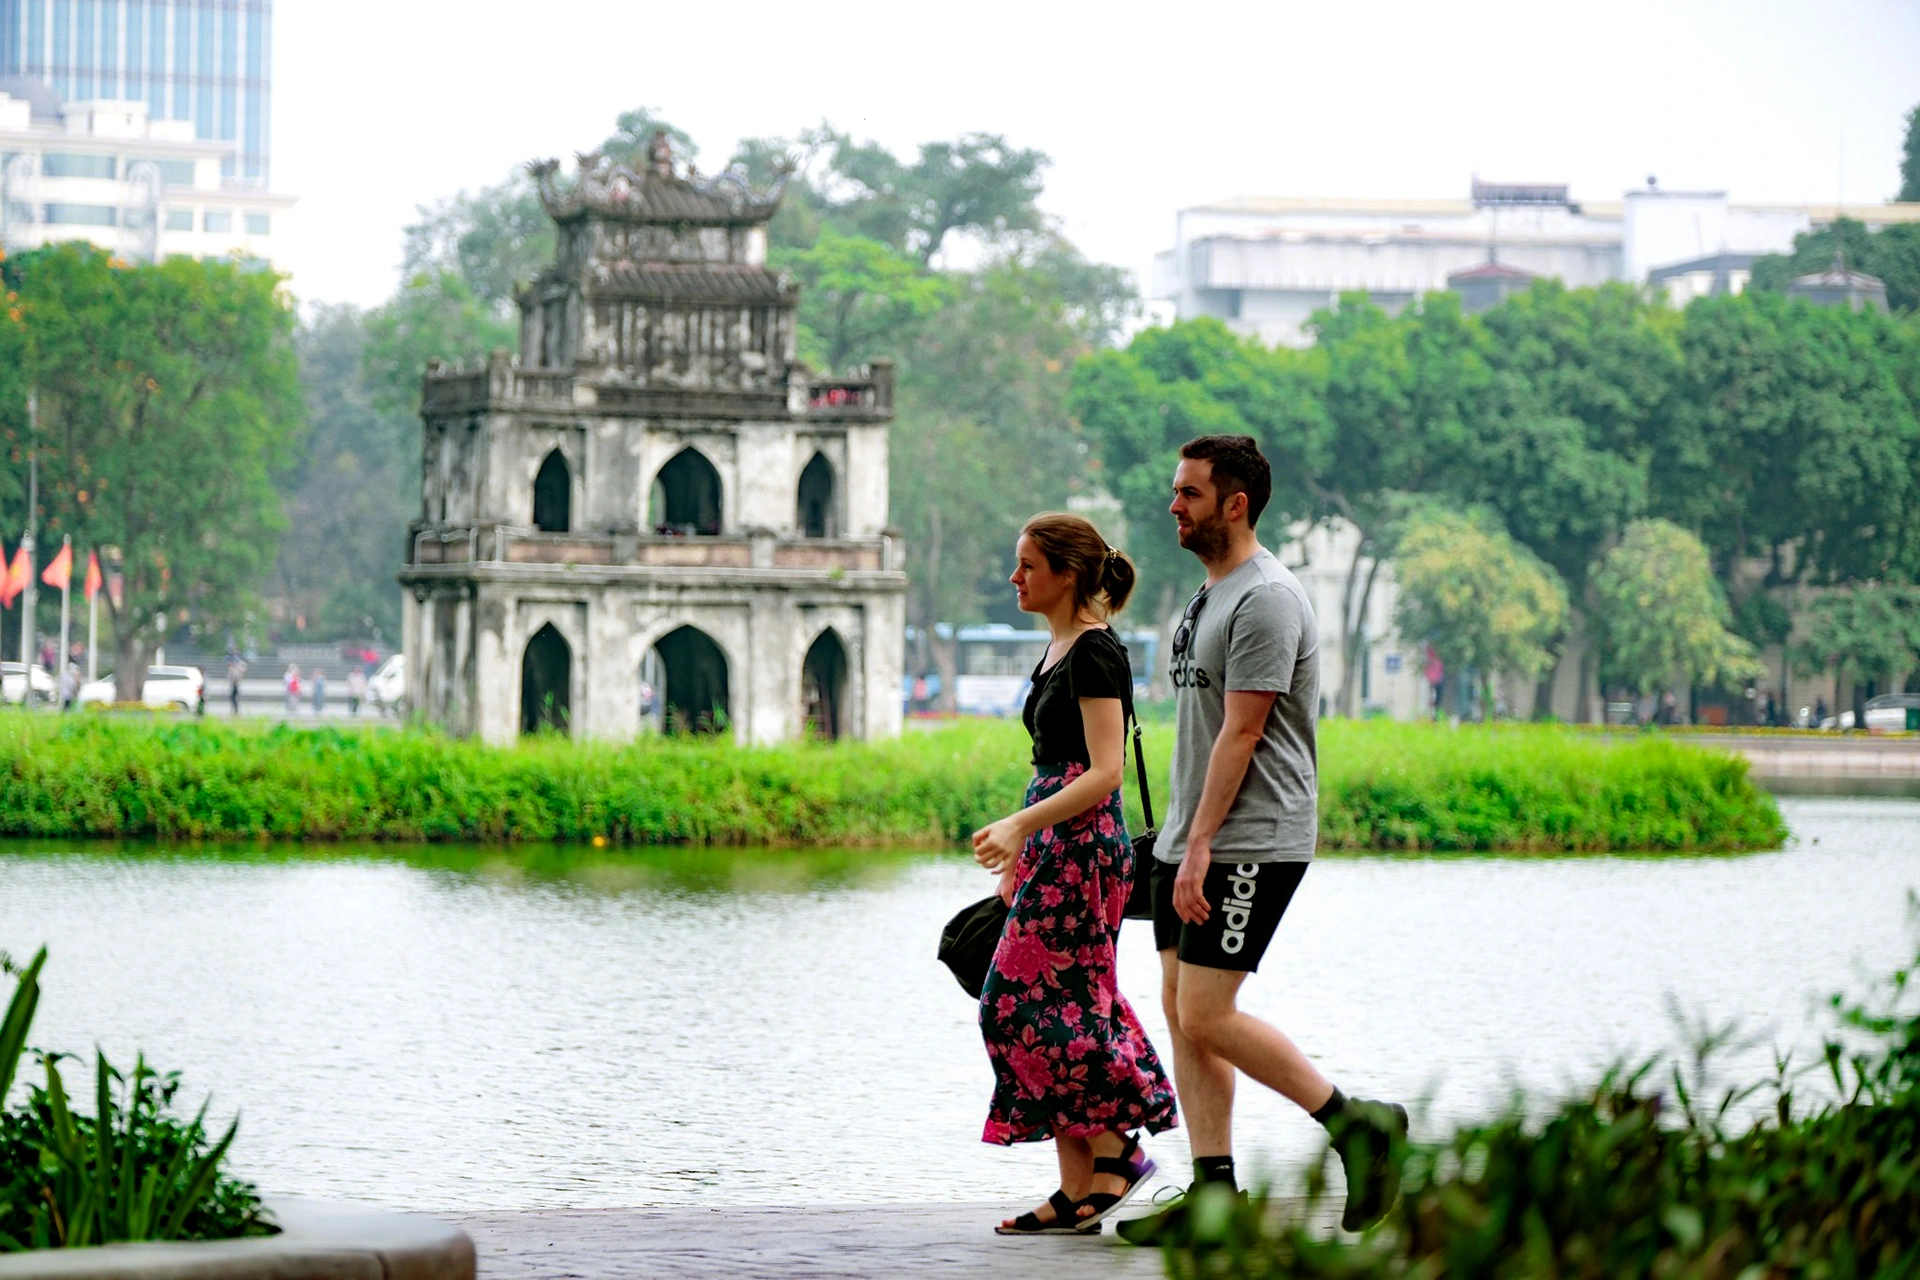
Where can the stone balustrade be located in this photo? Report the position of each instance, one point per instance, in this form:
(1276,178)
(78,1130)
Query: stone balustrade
(501,544)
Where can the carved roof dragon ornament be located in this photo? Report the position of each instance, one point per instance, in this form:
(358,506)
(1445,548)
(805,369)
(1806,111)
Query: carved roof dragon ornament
(656,192)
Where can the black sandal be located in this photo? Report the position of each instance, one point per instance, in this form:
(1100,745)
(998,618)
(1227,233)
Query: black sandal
(1121,1166)
(1064,1206)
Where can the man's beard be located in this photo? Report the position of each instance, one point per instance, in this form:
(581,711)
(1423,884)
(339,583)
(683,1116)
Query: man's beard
(1207,538)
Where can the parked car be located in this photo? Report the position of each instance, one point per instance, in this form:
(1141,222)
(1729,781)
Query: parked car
(14,680)
(1889,711)
(387,687)
(183,688)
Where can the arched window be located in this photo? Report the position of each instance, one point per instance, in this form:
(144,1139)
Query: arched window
(553,495)
(686,496)
(823,688)
(693,676)
(546,682)
(816,499)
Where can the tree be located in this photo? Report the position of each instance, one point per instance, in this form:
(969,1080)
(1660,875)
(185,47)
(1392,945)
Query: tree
(493,241)
(1871,632)
(978,182)
(858,298)
(1582,381)
(984,439)
(1138,406)
(1792,439)
(1403,397)
(433,316)
(1910,159)
(1661,615)
(1484,602)
(349,497)
(168,403)
(1891,253)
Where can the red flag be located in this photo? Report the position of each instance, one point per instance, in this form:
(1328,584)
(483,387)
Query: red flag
(17,577)
(93,574)
(59,571)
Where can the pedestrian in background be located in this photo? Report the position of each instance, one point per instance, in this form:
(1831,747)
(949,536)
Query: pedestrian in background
(319,693)
(292,682)
(236,668)
(356,690)
(69,685)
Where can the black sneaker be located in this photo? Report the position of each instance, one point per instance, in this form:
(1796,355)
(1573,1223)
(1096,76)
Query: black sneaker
(1172,1222)
(1365,1137)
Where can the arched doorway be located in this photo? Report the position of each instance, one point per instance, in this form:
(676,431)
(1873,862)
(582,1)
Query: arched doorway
(686,496)
(553,495)
(546,683)
(691,691)
(823,688)
(816,499)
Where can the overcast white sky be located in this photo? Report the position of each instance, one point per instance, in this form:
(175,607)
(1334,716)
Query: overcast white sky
(382,105)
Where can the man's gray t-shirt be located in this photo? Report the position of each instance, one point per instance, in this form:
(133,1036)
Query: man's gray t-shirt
(1255,633)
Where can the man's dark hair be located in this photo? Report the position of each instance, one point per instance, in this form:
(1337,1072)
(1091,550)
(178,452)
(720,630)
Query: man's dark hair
(1238,467)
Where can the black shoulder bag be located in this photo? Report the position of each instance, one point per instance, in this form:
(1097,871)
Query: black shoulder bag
(1140,893)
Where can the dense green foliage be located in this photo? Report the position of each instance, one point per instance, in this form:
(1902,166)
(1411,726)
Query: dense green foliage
(1383,786)
(1910,159)
(1632,1182)
(133,1170)
(1891,253)
(1482,601)
(1659,613)
(167,409)
(1784,436)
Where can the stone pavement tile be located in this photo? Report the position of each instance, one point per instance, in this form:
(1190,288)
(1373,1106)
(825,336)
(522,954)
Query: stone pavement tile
(841,1241)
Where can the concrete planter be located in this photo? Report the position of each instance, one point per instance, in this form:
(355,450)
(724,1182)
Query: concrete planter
(319,1240)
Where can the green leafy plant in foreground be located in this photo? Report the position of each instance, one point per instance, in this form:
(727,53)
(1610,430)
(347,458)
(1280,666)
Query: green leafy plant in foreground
(1629,1182)
(131,1171)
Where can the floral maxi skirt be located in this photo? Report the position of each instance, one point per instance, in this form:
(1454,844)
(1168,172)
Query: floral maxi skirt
(1068,1054)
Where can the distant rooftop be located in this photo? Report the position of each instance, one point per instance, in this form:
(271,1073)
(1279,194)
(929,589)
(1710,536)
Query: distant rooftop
(1520,193)
(43,102)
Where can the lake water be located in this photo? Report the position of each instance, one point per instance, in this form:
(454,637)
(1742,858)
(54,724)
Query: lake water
(457,1029)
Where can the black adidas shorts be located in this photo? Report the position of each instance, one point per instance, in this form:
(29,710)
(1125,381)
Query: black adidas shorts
(1248,899)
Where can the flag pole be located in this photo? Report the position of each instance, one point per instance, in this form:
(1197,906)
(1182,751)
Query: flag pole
(28,597)
(66,595)
(93,622)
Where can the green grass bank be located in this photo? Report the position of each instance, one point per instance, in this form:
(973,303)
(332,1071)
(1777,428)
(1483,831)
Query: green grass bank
(1383,787)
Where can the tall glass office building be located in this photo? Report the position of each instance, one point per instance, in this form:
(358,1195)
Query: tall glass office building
(200,60)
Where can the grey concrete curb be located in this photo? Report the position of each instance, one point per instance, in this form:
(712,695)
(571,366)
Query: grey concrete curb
(319,1240)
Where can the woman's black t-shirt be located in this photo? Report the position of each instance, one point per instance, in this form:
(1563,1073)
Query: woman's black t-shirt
(1095,667)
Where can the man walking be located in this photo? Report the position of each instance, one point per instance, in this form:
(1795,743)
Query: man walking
(1240,834)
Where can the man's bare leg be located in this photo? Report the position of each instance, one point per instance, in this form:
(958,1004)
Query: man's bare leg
(1212,1038)
(1203,1080)
(1212,1022)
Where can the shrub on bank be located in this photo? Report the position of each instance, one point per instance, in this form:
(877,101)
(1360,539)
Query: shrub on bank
(1383,786)
(1635,1182)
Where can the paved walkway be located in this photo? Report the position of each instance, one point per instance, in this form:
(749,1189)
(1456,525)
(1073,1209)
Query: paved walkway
(843,1241)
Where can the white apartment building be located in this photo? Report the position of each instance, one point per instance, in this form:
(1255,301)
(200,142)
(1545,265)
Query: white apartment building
(1266,264)
(110,173)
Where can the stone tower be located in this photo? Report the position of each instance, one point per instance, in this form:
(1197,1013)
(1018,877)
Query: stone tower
(655,517)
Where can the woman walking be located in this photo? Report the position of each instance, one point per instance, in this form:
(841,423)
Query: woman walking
(1070,1060)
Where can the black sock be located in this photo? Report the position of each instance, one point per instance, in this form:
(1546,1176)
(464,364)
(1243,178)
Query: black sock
(1214,1169)
(1332,1108)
